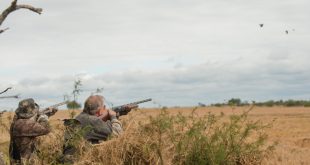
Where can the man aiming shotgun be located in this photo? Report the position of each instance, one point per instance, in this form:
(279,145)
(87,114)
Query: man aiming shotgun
(102,122)
(28,123)
(120,110)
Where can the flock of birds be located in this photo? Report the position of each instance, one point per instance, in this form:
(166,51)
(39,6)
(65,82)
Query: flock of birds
(286,31)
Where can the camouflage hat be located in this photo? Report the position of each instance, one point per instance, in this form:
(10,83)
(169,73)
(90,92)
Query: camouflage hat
(27,108)
(92,104)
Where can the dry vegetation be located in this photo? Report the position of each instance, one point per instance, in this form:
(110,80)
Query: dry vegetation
(290,129)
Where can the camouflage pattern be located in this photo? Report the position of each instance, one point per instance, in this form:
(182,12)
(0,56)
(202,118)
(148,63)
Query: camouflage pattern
(117,127)
(24,130)
(26,109)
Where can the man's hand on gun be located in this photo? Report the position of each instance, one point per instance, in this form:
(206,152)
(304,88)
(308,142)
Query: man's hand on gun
(118,111)
(50,111)
(112,115)
(107,114)
(43,118)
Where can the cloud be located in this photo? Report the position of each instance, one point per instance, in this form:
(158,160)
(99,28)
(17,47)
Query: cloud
(205,82)
(178,52)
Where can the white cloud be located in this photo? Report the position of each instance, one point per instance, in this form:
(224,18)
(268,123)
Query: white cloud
(179,52)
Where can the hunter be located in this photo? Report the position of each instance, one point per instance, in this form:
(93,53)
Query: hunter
(26,126)
(99,123)
(103,121)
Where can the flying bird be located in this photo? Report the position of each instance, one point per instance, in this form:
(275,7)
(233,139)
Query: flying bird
(261,25)
(286,31)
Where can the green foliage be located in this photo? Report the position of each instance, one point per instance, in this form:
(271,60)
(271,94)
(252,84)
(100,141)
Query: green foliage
(76,92)
(269,103)
(73,105)
(74,141)
(234,102)
(69,137)
(307,104)
(206,140)
(217,105)
(291,103)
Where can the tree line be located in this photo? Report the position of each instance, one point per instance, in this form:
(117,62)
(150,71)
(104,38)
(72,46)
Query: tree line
(269,103)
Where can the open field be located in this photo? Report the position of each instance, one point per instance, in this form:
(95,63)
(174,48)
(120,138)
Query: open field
(291,128)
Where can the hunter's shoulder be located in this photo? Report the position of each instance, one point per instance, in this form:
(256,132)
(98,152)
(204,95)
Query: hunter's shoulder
(20,123)
(84,117)
(26,127)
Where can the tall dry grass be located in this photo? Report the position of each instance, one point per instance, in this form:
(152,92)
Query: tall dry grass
(290,129)
(169,139)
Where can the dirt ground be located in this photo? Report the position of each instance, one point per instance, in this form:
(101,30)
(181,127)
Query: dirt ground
(290,130)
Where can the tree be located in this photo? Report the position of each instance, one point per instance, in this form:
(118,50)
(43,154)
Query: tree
(13,7)
(73,105)
(6,90)
(76,92)
(77,88)
(7,97)
(97,91)
(234,102)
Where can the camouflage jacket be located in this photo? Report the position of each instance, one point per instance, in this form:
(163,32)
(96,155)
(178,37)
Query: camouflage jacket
(23,135)
(99,130)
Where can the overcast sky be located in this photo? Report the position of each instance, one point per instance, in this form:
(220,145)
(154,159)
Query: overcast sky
(178,52)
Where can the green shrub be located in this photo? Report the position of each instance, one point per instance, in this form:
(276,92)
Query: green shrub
(307,104)
(207,140)
(73,105)
(234,102)
(269,103)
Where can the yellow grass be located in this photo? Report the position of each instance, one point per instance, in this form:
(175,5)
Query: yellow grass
(291,128)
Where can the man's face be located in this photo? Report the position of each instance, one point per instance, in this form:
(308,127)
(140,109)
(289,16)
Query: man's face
(101,110)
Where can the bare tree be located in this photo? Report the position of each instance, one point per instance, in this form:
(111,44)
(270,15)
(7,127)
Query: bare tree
(6,90)
(9,97)
(13,7)
(77,88)
(97,91)
(76,92)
